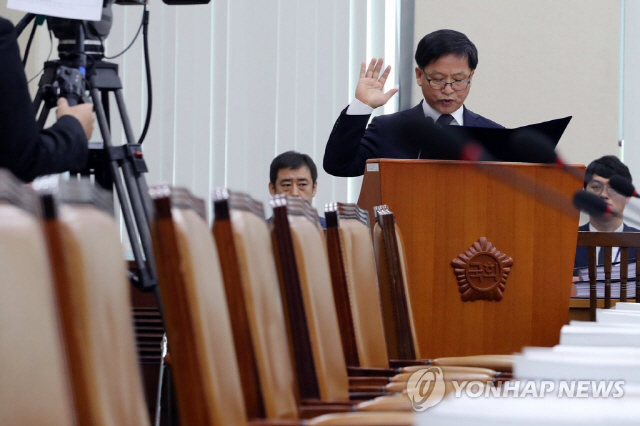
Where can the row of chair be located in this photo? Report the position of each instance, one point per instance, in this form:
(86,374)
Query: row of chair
(68,354)
(251,317)
(282,297)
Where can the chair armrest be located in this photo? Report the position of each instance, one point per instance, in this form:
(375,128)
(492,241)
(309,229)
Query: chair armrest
(361,371)
(400,363)
(368,381)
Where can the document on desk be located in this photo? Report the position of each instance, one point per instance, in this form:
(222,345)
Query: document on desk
(88,10)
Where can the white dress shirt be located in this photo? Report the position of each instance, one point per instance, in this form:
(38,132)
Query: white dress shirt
(360,108)
(615,251)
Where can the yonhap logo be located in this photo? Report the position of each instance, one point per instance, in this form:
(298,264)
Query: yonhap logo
(426,388)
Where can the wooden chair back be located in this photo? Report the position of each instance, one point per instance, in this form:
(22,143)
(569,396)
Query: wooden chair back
(93,295)
(308,299)
(253,294)
(608,240)
(203,358)
(35,389)
(355,285)
(393,280)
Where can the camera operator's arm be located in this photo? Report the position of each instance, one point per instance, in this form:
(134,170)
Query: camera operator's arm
(24,149)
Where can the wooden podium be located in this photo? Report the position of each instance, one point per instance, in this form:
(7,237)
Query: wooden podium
(442,209)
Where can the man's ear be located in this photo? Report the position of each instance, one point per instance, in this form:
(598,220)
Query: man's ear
(272,189)
(471,75)
(315,188)
(419,76)
(626,200)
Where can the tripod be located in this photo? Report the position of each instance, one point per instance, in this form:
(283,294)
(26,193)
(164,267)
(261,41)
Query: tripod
(122,167)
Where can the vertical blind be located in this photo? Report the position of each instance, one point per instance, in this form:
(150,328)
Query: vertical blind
(237,82)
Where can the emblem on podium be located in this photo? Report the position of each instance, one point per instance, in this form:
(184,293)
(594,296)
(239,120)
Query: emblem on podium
(482,272)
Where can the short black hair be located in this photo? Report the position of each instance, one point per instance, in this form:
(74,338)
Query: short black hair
(445,42)
(292,160)
(606,167)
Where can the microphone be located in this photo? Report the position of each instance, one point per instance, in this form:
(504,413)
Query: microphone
(532,146)
(623,186)
(593,205)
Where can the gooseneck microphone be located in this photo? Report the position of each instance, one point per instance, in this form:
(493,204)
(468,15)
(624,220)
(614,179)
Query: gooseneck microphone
(623,186)
(593,205)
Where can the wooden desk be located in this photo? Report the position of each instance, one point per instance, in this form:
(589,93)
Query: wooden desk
(579,308)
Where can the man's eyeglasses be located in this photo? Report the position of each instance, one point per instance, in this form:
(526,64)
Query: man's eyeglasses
(597,187)
(456,85)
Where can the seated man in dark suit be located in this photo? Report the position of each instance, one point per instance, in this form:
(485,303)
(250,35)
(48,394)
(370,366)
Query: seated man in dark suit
(446,61)
(596,181)
(293,173)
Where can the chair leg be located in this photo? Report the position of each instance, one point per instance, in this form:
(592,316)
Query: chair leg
(160,380)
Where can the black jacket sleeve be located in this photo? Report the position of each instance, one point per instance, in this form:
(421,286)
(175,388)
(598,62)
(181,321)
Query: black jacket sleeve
(351,144)
(25,150)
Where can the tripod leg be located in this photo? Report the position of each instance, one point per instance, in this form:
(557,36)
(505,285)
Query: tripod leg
(139,177)
(137,187)
(122,196)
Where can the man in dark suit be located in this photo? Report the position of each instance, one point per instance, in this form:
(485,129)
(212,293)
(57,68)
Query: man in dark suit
(446,61)
(24,149)
(293,173)
(596,181)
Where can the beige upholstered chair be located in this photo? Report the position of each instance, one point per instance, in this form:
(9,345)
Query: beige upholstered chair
(200,337)
(34,389)
(253,295)
(250,274)
(354,279)
(203,358)
(93,297)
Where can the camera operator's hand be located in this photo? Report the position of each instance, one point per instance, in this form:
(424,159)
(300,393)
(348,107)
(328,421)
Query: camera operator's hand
(83,113)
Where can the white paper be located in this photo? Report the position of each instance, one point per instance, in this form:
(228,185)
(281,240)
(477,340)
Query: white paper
(88,10)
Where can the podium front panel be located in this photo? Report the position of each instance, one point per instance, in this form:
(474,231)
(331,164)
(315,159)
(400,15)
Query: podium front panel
(443,208)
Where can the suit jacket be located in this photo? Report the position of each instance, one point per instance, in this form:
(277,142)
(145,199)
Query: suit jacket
(352,143)
(24,149)
(582,256)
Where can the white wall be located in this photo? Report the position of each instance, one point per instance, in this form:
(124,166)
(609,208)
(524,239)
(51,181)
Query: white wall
(540,60)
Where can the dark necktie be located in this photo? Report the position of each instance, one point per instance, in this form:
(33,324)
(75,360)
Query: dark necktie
(601,256)
(444,119)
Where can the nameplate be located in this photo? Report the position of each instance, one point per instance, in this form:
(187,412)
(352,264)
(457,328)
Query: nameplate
(373,167)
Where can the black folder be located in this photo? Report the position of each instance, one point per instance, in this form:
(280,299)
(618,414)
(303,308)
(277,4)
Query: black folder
(510,144)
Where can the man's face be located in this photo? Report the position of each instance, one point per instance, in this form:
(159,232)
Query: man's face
(600,186)
(448,68)
(294,182)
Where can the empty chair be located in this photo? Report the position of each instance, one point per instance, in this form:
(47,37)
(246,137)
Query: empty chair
(253,295)
(94,298)
(396,304)
(200,336)
(247,260)
(35,389)
(203,358)
(357,296)
(308,298)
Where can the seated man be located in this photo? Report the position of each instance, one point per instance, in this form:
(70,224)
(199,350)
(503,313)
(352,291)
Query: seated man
(293,173)
(596,181)
(446,61)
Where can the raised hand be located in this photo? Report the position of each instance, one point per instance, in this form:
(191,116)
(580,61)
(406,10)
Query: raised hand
(371,82)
